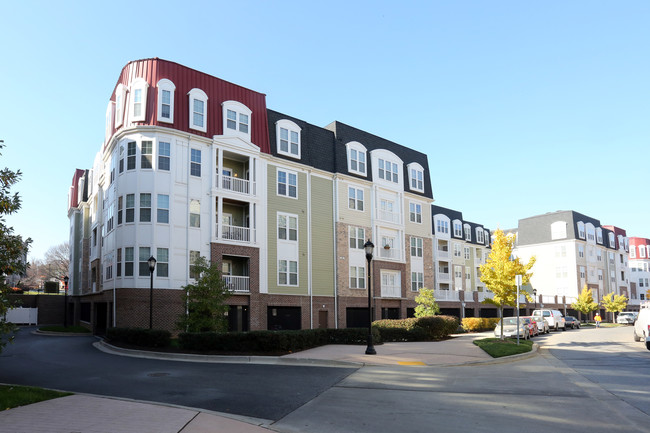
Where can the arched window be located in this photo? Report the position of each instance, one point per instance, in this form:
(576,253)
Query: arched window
(166,101)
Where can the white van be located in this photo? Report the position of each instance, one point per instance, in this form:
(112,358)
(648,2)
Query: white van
(554,318)
(642,327)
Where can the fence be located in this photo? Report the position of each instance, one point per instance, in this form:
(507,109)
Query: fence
(22,316)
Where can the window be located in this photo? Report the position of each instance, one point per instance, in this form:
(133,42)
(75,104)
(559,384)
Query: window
(388,171)
(128,261)
(457,250)
(356,158)
(287,273)
(109,272)
(288,138)
(468,277)
(195,213)
(558,230)
(599,235)
(600,275)
(581,230)
(458,229)
(417,281)
(146,154)
(632,252)
(458,272)
(195,163)
(145,208)
(162,262)
(166,101)
(237,118)
(139,99)
(583,273)
(109,218)
(581,251)
(287,184)
(130,208)
(119,104)
(143,256)
(599,255)
(162,215)
(468,232)
(355,198)
(357,277)
(163,156)
(415,212)
(121,159)
(198,109)
(416,177)
(194,256)
(479,235)
(416,247)
(357,236)
(287,227)
(118,269)
(642,252)
(130,155)
(612,240)
(442,226)
(467,253)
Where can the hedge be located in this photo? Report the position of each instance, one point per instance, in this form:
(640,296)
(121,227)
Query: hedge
(139,337)
(417,329)
(479,324)
(272,341)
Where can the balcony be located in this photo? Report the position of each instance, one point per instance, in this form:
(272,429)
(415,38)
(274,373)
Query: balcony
(237,233)
(446,295)
(237,284)
(443,277)
(484,295)
(391,291)
(442,254)
(390,253)
(391,217)
(237,185)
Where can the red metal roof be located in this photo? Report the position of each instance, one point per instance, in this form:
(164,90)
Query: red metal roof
(186,79)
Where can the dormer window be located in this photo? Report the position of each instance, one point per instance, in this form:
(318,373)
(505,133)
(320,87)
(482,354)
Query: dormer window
(198,109)
(236,119)
(458,229)
(632,252)
(479,235)
(288,138)
(119,105)
(388,171)
(166,101)
(138,99)
(356,158)
(468,232)
(612,241)
(416,177)
(599,235)
(581,230)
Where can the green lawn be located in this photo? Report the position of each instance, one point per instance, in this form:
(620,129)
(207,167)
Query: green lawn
(497,348)
(13,396)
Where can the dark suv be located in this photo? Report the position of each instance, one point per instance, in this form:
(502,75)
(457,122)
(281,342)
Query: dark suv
(572,322)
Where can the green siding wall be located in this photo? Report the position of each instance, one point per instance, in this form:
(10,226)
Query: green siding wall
(322,237)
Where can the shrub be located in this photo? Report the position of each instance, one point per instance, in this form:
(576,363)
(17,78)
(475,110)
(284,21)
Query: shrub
(417,329)
(139,337)
(479,324)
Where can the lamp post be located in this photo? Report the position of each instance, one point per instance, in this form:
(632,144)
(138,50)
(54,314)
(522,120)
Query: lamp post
(535,296)
(369,248)
(65,302)
(152,266)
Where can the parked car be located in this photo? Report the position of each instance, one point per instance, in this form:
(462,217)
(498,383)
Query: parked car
(642,327)
(553,317)
(627,317)
(532,325)
(572,322)
(510,328)
(542,324)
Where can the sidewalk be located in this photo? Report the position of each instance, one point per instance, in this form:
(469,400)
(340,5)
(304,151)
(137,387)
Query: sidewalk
(91,414)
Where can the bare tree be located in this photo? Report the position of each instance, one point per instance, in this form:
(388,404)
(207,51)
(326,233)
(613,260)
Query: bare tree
(57,261)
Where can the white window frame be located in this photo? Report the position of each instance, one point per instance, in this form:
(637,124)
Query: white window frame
(480,237)
(141,85)
(168,86)
(239,109)
(458,228)
(468,232)
(388,170)
(287,218)
(642,252)
(416,175)
(582,234)
(415,212)
(291,128)
(120,96)
(194,211)
(355,148)
(288,185)
(417,281)
(357,277)
(612,240)
(417,247)
(198,95)
(358,236)
(632,252)
(355,199)
(288,272)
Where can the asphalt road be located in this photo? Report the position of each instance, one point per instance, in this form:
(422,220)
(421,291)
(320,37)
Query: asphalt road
(595,380)
(73,364)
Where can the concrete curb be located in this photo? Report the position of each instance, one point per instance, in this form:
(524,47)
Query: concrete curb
(63,334)
(188,357)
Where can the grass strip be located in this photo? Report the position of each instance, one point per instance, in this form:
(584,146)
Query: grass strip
(497,348)
(14,396)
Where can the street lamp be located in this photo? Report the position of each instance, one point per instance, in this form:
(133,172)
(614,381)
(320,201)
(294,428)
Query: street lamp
(152,266)
(535,296)
(65,302)
(369,248)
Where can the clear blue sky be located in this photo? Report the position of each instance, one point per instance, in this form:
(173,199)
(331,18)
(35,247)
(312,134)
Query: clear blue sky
(523,108)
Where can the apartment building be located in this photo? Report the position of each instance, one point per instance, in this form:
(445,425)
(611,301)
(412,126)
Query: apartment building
(192,166)
(639,271)
(573,250)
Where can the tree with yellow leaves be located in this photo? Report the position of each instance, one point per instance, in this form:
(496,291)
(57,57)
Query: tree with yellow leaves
(585,302)
(500,270)
(614,303)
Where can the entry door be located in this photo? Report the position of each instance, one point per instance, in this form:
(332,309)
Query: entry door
(322,319)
